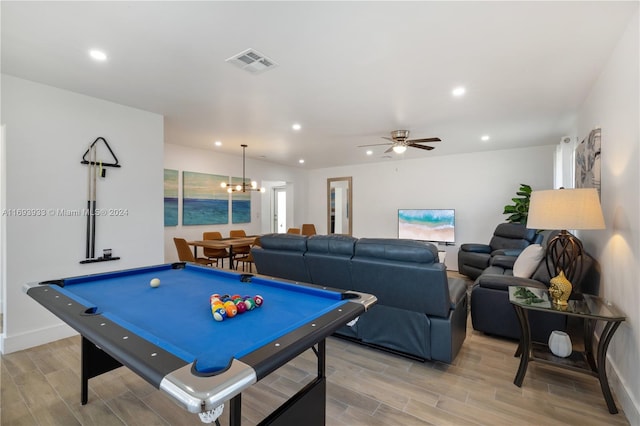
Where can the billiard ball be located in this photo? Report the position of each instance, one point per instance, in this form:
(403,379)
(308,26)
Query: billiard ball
(231,310)
(219,314)
(154,282)
(241,307)
(250,304)
(259,300)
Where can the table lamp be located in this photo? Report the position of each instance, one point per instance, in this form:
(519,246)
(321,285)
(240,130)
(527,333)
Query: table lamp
(564,209)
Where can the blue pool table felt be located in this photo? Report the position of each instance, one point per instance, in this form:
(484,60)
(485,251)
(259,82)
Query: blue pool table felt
(176,316)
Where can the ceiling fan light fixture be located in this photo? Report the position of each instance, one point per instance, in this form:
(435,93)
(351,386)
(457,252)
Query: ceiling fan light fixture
(399,149)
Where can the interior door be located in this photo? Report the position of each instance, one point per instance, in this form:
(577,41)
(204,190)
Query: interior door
(280,210)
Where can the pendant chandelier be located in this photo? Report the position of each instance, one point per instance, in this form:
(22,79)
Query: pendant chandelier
(244,186)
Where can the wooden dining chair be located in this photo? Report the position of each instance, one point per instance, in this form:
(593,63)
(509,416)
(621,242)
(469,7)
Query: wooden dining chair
(213,254)
(247,260)
(239,251)
(186,255)
(293,231)
(308,229)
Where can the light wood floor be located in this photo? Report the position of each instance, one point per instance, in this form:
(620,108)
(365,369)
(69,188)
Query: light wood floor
(41,386)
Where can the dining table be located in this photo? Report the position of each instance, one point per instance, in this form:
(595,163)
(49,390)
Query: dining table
(224,243)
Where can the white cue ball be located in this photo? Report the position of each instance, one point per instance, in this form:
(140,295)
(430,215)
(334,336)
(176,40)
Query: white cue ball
(154,282)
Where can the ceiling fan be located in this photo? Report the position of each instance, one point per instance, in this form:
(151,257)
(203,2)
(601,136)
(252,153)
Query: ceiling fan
(400,141)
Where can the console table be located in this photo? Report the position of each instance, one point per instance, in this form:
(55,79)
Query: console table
(590,309)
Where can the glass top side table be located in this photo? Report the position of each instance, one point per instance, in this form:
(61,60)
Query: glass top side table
(590,309)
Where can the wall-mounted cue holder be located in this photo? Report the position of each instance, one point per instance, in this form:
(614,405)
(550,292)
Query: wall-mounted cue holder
(96,168)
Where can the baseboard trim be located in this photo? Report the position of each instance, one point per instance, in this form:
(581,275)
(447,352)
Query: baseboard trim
(18,342)
(626,402)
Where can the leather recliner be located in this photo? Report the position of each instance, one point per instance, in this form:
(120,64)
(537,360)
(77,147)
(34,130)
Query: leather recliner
(492,313)
(509,239)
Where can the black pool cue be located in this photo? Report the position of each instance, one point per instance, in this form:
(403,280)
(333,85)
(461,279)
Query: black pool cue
(95,195)
(88,250)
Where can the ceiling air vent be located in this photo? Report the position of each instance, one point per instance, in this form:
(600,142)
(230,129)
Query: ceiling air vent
(252,61)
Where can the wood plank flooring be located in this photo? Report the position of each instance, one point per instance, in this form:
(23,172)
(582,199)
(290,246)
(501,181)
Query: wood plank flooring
(41,386)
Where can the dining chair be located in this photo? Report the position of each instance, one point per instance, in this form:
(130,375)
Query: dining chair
(293,231)
(308,229)
(213,254)
(247,260)
(186,255)
(239,251)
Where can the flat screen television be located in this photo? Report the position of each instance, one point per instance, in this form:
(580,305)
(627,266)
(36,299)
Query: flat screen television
(435,225)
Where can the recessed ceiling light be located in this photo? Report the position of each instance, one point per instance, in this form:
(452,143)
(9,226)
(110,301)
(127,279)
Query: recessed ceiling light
(296,126)
(484,138)
(369,152)
(301,161)
(217,143)
(458,91)
(98,55)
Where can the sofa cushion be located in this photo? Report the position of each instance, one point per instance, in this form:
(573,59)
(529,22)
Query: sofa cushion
(331,244)
(526,264)
(289,242)
(328,260)
(400,250)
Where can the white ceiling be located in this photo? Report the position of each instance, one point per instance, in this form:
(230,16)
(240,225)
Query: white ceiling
(349,72)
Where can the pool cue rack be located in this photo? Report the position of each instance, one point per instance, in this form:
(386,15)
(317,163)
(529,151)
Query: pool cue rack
(95,168)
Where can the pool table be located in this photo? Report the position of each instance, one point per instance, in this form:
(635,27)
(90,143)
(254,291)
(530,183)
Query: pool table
(168,336)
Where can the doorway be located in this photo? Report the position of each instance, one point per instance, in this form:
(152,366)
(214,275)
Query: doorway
(280,210)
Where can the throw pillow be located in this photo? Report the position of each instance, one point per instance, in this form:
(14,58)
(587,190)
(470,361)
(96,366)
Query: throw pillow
(527,262)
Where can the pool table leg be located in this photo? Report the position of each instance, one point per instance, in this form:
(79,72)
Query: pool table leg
(235,410)
(94,362)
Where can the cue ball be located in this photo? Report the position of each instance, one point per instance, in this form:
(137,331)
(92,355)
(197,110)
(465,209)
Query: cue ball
(154,282)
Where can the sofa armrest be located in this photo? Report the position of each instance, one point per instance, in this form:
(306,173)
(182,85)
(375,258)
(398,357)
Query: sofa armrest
(507,252)
(503,261)
(457,291)
(476,248)
(503,282)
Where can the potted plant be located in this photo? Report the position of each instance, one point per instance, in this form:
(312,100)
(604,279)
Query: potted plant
(519,210)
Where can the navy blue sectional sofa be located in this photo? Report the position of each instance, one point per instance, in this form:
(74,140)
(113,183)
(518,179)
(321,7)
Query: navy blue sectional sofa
(420,312)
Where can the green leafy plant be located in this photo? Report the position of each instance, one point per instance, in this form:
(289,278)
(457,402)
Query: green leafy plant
(519,211)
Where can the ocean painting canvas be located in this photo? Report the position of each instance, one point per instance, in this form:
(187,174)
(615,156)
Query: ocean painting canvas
(204,201)
(240,203)
(170,197)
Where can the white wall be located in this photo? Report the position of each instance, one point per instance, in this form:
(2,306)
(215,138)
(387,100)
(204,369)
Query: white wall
(47,132)
(613,105)
(266,174)
(477,186)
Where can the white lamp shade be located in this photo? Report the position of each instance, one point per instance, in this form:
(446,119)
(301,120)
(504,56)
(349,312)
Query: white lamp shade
(565,209)
(399,149)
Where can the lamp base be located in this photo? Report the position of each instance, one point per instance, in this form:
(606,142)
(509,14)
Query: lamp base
(565,254)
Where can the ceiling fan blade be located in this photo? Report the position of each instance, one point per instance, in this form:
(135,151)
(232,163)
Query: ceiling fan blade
(424,140)
(427,147)
(389,139)
(373,144)
(389,150)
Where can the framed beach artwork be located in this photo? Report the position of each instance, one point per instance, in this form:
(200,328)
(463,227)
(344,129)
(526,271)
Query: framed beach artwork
(240,202)
(170,197)
(204,201)
(588,162)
